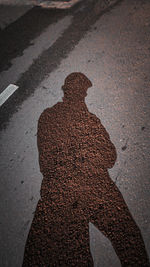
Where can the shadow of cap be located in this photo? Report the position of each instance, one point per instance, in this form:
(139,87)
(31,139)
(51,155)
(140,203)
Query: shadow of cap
(77,81)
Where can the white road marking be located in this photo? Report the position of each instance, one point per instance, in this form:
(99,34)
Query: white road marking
(7,93)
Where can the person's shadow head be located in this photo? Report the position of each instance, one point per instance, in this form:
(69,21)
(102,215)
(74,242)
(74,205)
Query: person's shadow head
(75,87)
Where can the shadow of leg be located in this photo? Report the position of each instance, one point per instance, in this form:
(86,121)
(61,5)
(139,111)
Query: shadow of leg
(114,220)
(57,238)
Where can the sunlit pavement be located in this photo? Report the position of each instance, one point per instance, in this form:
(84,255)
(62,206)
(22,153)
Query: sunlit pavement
(41,49)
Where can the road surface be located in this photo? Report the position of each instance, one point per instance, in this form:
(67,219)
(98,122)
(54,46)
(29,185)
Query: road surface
(37,51)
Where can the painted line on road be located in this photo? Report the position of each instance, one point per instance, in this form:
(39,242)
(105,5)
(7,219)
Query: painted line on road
(7,93)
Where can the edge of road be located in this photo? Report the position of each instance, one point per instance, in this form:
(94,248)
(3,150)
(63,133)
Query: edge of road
(99,4)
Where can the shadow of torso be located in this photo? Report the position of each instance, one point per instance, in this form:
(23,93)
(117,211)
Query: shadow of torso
(74,154)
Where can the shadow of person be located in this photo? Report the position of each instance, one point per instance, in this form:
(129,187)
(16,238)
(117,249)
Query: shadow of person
(75,152)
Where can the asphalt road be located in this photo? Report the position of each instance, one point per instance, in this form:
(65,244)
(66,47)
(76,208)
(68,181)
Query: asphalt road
(37,52)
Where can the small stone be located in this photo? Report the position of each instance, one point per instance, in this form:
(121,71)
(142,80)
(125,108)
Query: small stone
(124,148)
